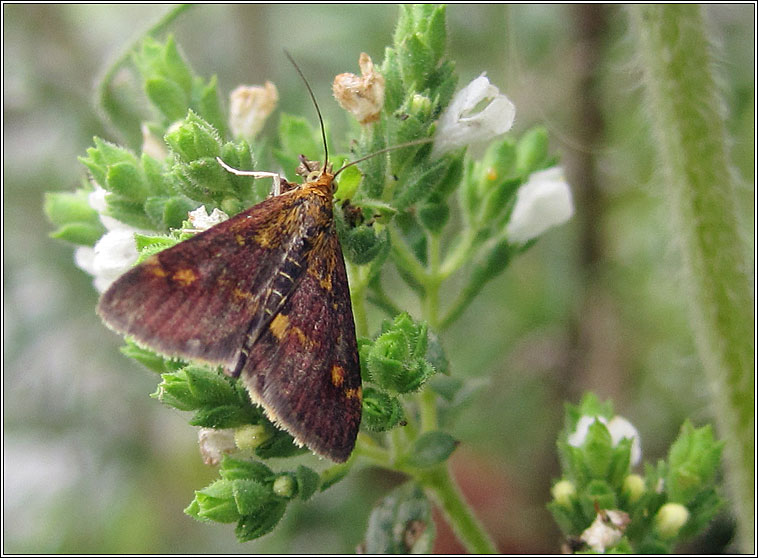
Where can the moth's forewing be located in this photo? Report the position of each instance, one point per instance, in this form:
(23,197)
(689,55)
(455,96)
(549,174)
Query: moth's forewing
(304,368)
(264,294)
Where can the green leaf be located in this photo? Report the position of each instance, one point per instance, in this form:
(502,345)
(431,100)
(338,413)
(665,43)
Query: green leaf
(220,416)
(420,185)
(168,97)
(693,461)
(430,449)
(401,523)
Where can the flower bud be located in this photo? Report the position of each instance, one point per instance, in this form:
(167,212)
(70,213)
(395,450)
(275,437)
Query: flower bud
(214,444)
(363,96)
(563,491)
(251,436)
(250,106)
(670,519)
(633,487)
(285,486)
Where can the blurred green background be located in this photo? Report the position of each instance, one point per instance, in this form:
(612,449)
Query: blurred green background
(91,464)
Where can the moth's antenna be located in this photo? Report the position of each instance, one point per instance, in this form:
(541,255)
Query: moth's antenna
(318,110)
(385,150)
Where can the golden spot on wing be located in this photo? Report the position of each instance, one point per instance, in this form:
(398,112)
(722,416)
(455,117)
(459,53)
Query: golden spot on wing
(153,265)
(240,294)
(184,277)
(355,393)
(240,239)
(338,375)
(279,326)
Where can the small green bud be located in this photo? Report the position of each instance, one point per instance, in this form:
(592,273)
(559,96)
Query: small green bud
(215,503)
(251,436)
(531,150)
(563,492)
(381,411)
(633,487)
(174,391)
(670,519)
(285,486)
(421,106)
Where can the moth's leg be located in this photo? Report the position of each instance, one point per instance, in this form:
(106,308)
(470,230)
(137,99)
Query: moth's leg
(277,189)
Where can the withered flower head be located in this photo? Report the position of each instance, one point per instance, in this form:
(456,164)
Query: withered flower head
(250,106)
(362,96)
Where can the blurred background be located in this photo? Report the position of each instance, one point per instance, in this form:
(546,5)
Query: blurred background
(91,464)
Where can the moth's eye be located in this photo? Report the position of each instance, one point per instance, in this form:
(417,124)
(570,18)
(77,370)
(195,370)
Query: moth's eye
(313,176)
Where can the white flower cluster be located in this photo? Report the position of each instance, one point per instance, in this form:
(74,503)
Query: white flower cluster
(618,427)
(114,253)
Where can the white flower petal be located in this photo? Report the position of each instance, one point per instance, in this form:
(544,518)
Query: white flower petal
(621,428)
(542,203)
(115,253)
(464,121)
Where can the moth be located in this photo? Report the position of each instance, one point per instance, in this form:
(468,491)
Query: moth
(265,295)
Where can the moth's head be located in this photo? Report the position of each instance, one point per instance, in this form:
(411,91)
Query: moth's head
(313,171)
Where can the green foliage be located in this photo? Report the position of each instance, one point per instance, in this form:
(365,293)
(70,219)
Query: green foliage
(675,499)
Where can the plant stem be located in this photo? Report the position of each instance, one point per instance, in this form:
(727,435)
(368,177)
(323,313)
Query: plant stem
(439,483)
(700,181)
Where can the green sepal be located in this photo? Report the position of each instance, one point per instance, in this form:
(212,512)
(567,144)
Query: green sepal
(233,469)
(393,90)
(149,359)
(220,416)
(174,391)
(532,151)
(693,460)
(262,522)
(250,495)
(215,503)
(83,234)
(281,444)
(76,220)
(209,386)
(194,139)
(381,411)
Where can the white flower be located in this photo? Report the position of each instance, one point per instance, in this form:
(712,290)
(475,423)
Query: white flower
(606,530)
(114,254)
(202,221)
(478,112)
(250,106)
(618,427)
(543,202)
(363,96)
(215,443)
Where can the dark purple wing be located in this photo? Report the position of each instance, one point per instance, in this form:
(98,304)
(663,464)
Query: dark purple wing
(304,368)
(204,297)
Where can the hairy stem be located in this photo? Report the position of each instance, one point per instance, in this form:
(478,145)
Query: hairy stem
(700,182)
(442,488)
